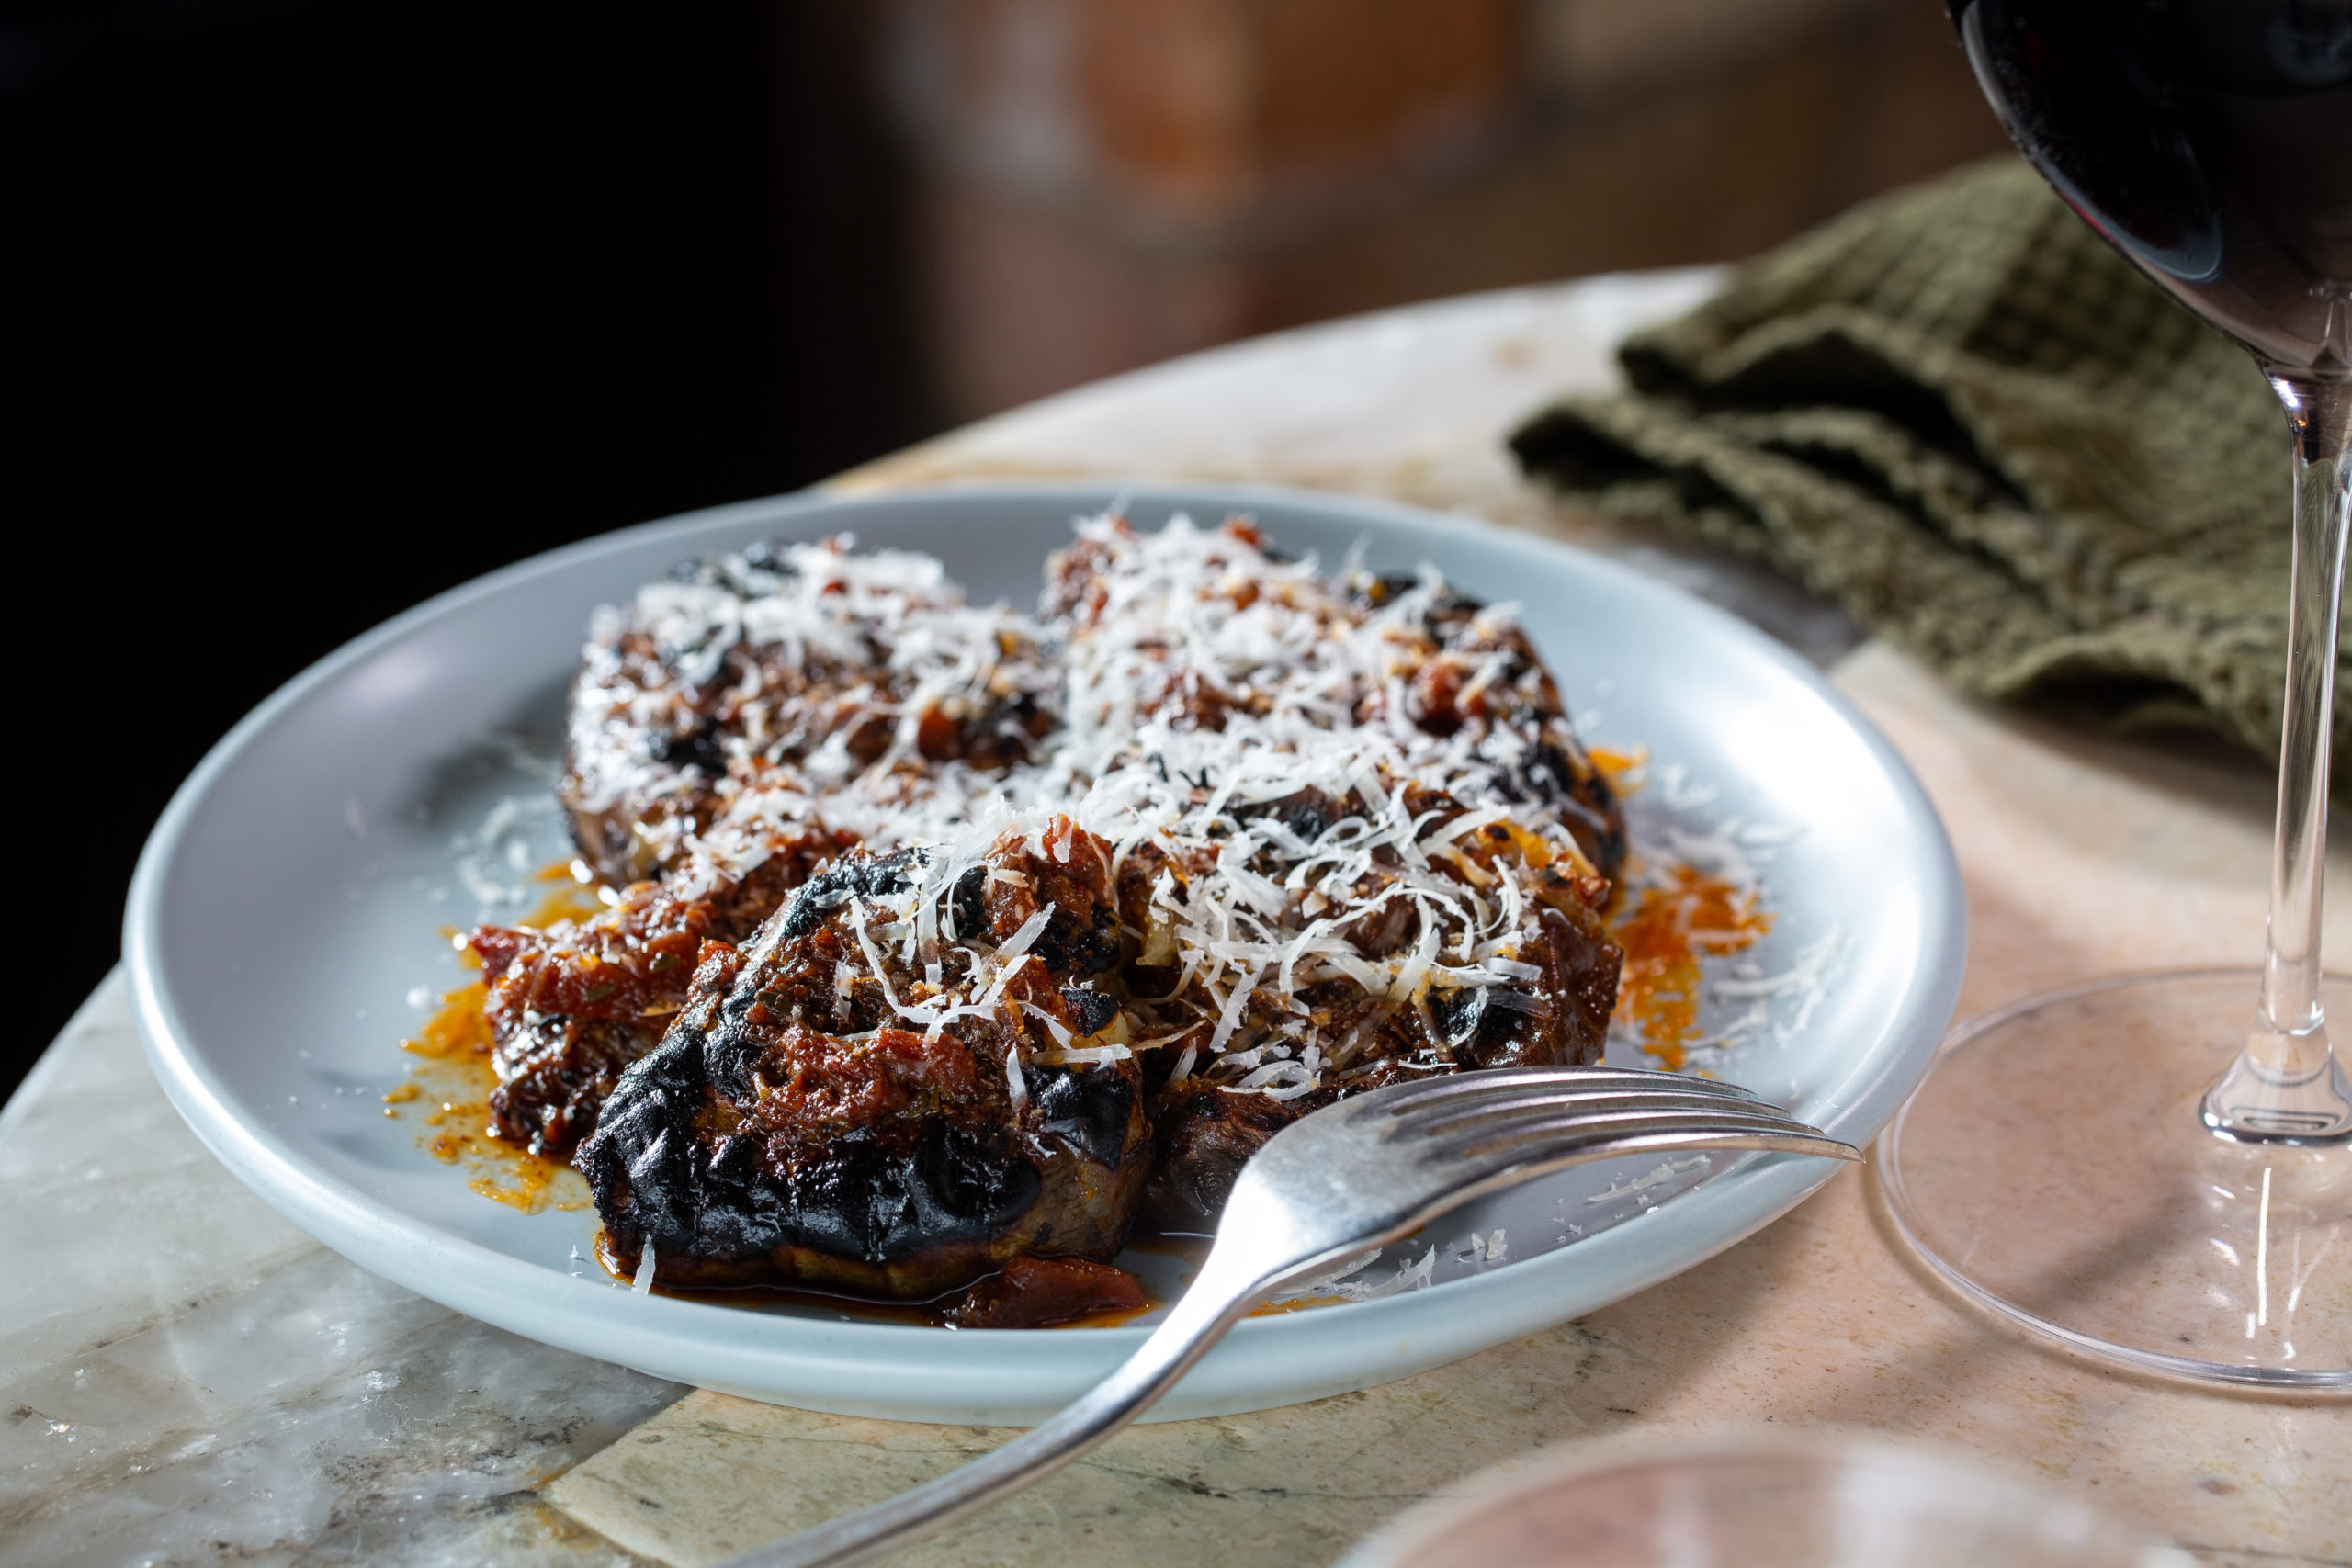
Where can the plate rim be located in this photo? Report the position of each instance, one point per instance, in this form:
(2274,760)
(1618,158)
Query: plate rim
(669,1337)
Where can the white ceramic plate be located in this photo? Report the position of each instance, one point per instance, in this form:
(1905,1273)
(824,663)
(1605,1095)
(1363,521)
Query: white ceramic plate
(286,912)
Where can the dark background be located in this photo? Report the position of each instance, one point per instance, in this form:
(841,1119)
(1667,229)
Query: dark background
(336,305)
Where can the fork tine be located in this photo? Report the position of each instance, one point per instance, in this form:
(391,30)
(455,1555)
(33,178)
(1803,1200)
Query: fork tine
(1412,1098)
(1531,1160)
(1512,1143)
(1450,1118)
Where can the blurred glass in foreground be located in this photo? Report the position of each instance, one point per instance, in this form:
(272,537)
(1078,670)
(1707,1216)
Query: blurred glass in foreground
(1754,1501)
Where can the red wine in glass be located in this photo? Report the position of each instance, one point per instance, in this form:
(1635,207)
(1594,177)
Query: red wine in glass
(2156,1169)
(2210,141)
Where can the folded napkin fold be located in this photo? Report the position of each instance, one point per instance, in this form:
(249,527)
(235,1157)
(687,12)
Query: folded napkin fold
(1958,413)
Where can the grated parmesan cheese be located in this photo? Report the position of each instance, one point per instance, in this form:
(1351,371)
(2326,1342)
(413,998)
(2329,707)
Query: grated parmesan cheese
(1250,727)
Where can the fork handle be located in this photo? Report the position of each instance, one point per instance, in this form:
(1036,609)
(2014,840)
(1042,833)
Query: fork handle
(1217,1300)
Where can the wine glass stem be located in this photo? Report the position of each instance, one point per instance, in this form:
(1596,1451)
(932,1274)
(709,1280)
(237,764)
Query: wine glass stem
(2286,1085)
(2290,975)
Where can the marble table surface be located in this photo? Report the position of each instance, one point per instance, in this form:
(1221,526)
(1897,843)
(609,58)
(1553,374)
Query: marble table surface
(184,1378)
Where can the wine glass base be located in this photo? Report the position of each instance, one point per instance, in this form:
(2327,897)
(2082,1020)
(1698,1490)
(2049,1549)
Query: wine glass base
(2055,1170)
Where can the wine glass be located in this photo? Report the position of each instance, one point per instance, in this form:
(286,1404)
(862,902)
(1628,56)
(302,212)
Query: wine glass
(2156,1169)
(1758,1499)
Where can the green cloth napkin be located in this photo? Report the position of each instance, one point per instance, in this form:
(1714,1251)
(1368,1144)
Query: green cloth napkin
(1958,413)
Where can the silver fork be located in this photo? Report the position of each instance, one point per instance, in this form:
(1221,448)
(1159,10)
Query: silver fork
(1352,1176)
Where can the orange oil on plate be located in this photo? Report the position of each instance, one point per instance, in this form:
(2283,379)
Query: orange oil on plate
(1666,931)
(448,1087)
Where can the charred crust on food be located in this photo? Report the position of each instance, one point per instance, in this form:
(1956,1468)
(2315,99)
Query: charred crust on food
(1086,1108)
(855,876)
(1306,813)
(1087,946)
(699,747)
(1091,1011)
(758,1144)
